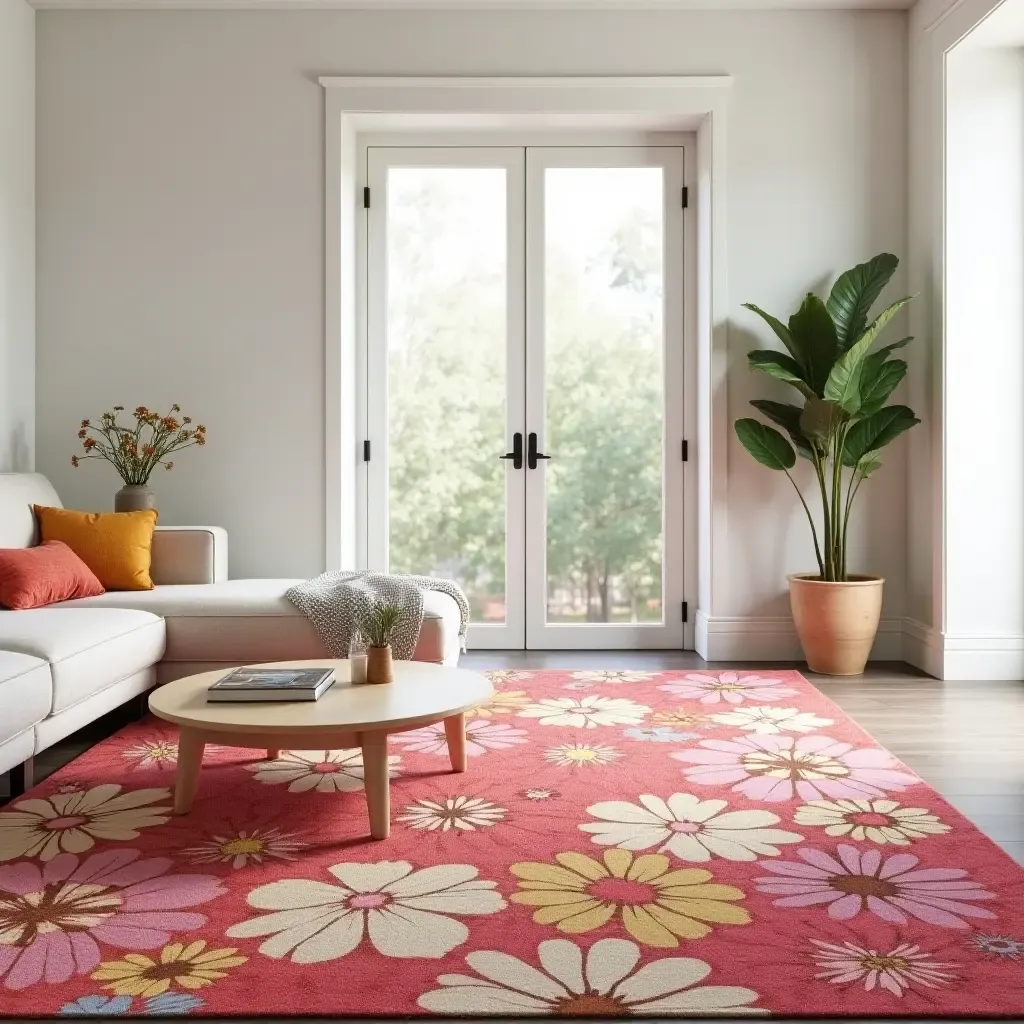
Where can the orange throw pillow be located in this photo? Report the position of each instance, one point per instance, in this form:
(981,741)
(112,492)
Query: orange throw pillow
(117,546)
(34,577)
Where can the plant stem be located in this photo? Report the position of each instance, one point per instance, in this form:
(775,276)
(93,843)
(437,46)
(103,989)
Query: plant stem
(819,469)
(810,519)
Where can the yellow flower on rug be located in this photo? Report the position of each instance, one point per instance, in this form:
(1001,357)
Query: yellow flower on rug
(192,966)
(73,822)
(658,907)
(504,702)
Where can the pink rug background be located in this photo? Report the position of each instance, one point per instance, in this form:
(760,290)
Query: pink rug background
(109,905)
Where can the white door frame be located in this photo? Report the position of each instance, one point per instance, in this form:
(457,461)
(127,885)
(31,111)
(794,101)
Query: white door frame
(483,636)
(356,105)
(669,633)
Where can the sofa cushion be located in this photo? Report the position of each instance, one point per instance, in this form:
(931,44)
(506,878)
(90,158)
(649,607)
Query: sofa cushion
(26,692)
(18,493)
(88,649)
(49,572)
(239,622)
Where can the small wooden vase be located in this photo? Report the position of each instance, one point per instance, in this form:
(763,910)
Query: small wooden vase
(379,666)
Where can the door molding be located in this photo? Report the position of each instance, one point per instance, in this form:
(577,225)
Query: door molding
(356,105)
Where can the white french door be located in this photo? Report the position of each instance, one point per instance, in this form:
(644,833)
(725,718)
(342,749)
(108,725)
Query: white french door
(524,387)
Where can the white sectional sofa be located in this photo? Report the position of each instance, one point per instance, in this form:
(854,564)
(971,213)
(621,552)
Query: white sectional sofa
(63,666)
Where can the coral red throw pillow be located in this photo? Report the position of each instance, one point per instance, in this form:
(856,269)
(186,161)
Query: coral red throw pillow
(33,577)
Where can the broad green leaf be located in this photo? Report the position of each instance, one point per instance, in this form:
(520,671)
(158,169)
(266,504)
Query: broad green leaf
(854,294)
(820,419)
(883,353)
(781,331)
(766,444)
(874,433)
(815,335)
(878,383)
(781,367)
(868,464)
(787,417)
(843,385)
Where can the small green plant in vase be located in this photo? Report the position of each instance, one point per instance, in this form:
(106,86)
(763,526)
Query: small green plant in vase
(378,626)
(840,427)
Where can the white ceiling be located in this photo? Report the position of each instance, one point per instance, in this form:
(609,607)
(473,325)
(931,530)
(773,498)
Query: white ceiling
(639,5)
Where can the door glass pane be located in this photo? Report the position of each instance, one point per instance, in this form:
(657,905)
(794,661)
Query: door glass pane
(604,393)
(446,340)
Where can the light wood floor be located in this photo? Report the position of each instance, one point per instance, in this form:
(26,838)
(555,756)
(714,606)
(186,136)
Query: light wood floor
(966,738)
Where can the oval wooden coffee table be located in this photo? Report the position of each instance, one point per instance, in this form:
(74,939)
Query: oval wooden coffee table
(346,715)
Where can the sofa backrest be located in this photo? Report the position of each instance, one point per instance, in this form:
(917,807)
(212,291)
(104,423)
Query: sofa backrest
(18,493)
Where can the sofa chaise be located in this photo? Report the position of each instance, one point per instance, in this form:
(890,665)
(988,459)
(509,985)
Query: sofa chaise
(67,664)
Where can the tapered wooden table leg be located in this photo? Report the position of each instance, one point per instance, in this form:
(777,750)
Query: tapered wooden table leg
(375,775)
(455,731)
(190,762)
(273,755)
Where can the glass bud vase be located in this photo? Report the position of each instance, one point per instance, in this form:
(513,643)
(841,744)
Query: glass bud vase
(357,657)
(134,498)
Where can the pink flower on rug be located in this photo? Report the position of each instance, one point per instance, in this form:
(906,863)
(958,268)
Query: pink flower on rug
(889,888)
(730,687)
(777,767)
(481,736)
(54,915)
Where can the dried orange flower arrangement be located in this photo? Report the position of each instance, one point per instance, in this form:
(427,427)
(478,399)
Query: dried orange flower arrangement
(136,451)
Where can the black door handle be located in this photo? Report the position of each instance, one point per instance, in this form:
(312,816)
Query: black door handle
(516,455)
(532,455)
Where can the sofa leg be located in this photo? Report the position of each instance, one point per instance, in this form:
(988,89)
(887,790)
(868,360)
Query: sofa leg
(140,706)
(22,778)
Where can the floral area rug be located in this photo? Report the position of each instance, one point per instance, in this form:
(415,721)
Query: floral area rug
(623,843)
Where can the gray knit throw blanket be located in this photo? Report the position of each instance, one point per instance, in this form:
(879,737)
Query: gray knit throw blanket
(336,602)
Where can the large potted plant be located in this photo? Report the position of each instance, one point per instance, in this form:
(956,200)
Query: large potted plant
(840,425)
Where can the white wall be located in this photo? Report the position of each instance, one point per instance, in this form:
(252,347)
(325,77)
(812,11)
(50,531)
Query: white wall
(17,235)
(984,350)
(181,232)
(966,222)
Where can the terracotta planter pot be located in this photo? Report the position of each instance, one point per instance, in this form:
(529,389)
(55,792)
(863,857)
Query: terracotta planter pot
(379,666)
(836,622)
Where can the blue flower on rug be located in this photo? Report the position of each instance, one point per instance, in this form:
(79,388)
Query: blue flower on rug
(658,734)
(95,1006)
(172,1004)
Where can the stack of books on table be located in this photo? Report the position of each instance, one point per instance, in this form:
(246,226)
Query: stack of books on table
(260,684)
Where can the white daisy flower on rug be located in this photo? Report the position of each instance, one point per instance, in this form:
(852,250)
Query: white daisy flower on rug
(503,675)
(73,822)
(578,755)
(536,793)
(481,736)
(404,913)
(613,677)
(873,821)
(318,771)
(896,970)
(997,947)
(690,828)
(459,813)
(599,982)
(162,753)
(769,719)
(730,687)
(242,847)
(586,713)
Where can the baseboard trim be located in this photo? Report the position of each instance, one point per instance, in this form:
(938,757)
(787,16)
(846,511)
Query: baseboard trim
(964,657)
(764,638)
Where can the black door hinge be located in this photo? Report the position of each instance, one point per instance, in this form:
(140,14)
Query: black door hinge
(686,451)
(366,198)
(686,197)
(366,451)
(686,612)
